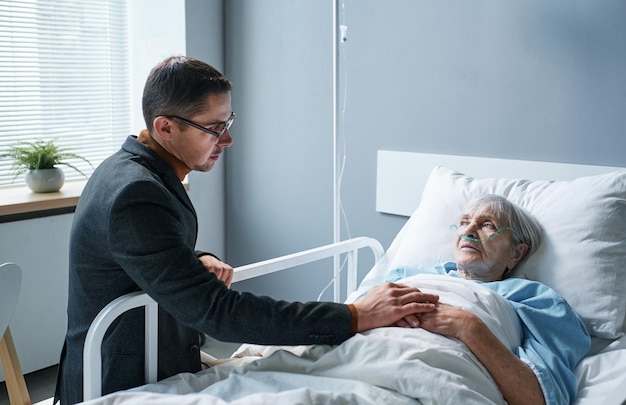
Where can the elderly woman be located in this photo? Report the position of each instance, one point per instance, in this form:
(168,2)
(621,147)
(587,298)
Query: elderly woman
(493,237)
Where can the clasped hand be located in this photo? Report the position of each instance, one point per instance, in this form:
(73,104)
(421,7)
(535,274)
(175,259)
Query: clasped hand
(445,320)
(389,303)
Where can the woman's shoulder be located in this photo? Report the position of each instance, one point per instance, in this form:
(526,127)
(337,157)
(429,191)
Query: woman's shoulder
(519,289)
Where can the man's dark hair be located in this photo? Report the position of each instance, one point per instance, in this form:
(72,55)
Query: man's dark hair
(179,86)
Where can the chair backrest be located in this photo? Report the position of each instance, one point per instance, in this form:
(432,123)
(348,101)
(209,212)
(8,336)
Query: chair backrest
(10,283)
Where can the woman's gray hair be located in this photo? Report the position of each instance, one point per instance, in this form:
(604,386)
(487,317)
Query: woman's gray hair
(527,229)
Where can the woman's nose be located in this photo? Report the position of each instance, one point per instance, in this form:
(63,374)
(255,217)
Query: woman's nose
(469,230)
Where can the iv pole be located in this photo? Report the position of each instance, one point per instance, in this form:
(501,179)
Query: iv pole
(336,163)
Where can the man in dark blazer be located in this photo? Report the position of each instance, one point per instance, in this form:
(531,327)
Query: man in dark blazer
(135,229)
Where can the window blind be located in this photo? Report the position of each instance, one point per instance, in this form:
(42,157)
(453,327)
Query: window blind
(64,77)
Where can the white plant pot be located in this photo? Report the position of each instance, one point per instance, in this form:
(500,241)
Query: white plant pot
(45,180)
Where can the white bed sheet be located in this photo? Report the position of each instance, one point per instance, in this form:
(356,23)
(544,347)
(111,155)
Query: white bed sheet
(601,380)
(382,366)
(386,365)
(602,376)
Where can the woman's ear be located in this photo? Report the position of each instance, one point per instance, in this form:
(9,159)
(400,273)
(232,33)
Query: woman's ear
(518,254)
(163,126)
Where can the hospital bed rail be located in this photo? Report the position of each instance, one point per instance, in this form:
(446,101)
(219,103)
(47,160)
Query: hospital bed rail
(92,357)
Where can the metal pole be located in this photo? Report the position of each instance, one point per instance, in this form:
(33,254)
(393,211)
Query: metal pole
(336,163)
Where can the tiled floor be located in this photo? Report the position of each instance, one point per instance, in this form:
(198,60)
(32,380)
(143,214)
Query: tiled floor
(40,385)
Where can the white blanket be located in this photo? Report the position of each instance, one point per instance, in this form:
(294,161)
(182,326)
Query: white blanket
(382,366)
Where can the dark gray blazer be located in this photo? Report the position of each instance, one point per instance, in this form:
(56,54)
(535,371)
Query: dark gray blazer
(135,229)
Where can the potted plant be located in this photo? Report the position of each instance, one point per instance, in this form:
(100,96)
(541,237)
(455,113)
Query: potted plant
(39,160)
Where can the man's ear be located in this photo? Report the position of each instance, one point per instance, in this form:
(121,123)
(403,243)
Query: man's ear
(163,126)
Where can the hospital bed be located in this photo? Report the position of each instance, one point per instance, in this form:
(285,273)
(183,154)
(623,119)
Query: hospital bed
(582,210)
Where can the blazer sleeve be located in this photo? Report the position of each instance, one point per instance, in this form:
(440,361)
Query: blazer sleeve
(158,255)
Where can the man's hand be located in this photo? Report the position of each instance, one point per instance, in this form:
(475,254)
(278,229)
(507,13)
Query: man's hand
(222,270)
(386,304)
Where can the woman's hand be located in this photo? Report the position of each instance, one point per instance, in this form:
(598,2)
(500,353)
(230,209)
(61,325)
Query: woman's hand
(516,380)
(444,320)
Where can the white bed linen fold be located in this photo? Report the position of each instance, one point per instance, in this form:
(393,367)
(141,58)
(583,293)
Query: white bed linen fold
(602,377)
(386,365)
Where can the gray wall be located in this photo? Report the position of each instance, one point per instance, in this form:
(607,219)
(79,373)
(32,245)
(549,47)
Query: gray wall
(531,80)
(279,169)
(204,26)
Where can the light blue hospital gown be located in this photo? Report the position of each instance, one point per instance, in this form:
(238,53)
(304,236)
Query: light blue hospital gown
(554,337)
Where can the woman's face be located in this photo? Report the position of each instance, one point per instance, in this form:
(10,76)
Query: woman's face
(488,258)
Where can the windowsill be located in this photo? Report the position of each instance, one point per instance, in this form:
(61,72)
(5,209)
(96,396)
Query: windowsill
(20,202)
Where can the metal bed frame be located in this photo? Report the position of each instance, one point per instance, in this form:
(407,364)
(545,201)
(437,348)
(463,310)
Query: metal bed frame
(92,359)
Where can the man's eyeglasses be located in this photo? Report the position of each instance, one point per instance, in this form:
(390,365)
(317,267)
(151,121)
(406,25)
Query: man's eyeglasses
(216,129)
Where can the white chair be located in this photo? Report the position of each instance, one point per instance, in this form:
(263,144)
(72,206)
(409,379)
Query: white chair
(10,282)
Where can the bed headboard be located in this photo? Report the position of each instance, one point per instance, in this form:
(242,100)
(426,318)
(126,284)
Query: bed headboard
(396,170)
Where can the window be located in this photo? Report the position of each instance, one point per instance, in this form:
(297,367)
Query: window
(64,76)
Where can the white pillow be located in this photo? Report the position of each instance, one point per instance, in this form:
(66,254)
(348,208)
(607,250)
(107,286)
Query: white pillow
(583,249)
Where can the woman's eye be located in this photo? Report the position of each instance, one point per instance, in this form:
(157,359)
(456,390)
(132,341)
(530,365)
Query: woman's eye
(489,225)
